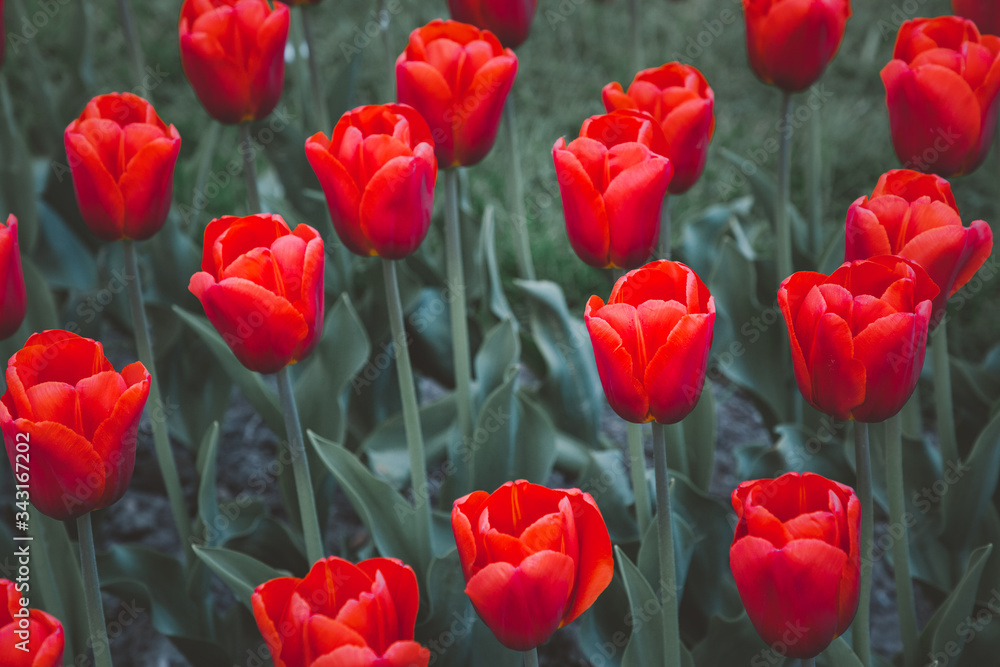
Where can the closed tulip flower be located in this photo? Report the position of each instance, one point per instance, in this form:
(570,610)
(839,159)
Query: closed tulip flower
(534,558)
(652,340)
(233,53)
(122,158)
(680,100)
(792,530)
(342,614)
(457,76)
(613,179)
(941,89)
(984,13)
(858,336)
(261,285)
(79,418)
(44,643)
(378,173)
(914,215)
(13,298)
(509,20)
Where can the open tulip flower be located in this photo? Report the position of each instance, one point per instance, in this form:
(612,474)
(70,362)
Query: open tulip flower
(79,416)
(342,615)
(509,20)
(612,179)
(680,100)
(44,643)
(534,558)
(858,336)
(796,559)
(122,158)
(984,13)
(914,215)
(942,93)
(13,297)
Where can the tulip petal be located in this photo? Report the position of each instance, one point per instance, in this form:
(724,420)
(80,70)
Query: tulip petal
(892,351)
(838,379)
(396,206)
(583,208)
(342,197)
(676,375)
(147,188)
(614,365)
(114,441)
(98,196)
(595,566)
(634,200)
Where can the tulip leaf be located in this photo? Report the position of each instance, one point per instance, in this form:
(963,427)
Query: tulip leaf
(17,183)
(703,234)
(605,477)
(649,551)
(969,487)
(208,500)
(385,447)
(604,632)
(445,625)
(699,439)
(64,259)
(240,572)
(56,572)
(839,654)
(733,641)
(496,360)
(947,631)
(499,305)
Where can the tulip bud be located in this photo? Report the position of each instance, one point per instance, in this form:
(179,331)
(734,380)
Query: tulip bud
(13,298)
(509,20)
(28,637)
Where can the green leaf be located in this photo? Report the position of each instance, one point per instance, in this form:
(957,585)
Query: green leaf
(240,572)
(699,439)
(208,500)
(603,629)
(733,641)
(970,486)
(499,305)
(606,479)
(945,631)
(59,580)
(445,625)
(839,654)
(386,449)
(496,360)
(649,552)
(66,262)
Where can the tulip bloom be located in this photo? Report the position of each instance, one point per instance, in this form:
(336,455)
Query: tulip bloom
(77,417)
(378,173)
(858,336)
(342,614)
(984,13)
(44,642)
(122,159)
(13,298)
(914,215)
(509,20)
(534,558)
(612,180)
(233,53)
(791,530)
(941,90)
(261,285)
(680,100)
(652,341)
(457,76)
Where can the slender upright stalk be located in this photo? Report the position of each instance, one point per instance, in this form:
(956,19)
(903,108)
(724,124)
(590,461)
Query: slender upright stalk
(782,226)
(92,592)
(901,546)
(209,143)
(808,662)
(411,411)
(636,32)
(860,629)
(675,434)
(815,175)
(158,411)
(520,226)
(668,585)
(249,169)
(942,396)
(132,44)
(531,658)
(320,115)
(913,423)
(637,464)
(300,468)
(665,229)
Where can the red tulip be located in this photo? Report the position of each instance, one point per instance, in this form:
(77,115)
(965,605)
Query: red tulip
(13,298)
(858,336)
(378,173)
(941,89)
(652,340)
(457,76)
(796,559)
(613,179)
(262,287)
(28,637)
(343,615)
(72,420)
(534,558)
(679,98)
(509,20)
(233,53)
(122,159)
(914,215)
(984,13)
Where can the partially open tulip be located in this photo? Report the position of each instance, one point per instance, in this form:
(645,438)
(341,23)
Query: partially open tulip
(984,13)
(233,53)
(941,89)
(13,298)
(28,637)
(261,285)
(612,179)
(790,42)
(378,173)
(680,100)
(79,418)
(796,560)
(457,76)
(122,158)
(509,20)
(652,340)
(914,215)
(858,336)
(342,614)
(534,558)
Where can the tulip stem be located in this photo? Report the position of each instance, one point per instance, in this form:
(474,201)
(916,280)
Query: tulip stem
(523,244)
(411,410)
(132,44)
(782,227)
(459,319)
(637,464)
(815,175)
(158,411)
(942,396)
(860,629)
(300,468)
(668,585)
(209,142)
(901,546)
(808,662)
(92,592)
(249,169)
(322,117)
(531,658)
(665,228)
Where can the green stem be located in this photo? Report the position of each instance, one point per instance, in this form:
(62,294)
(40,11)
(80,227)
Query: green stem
(132,43)
(637,464)
(158,410)
(531,658)
(209,143)
(942,396)
(860,629)
(300,468)
(782,227)
(808,662)
(901,546)
(249,169)
(913,423)
(675,435)
(668,585)
(815,174)
(523,245)
(411,410)
(92,591)
(322,117)
(665,228)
